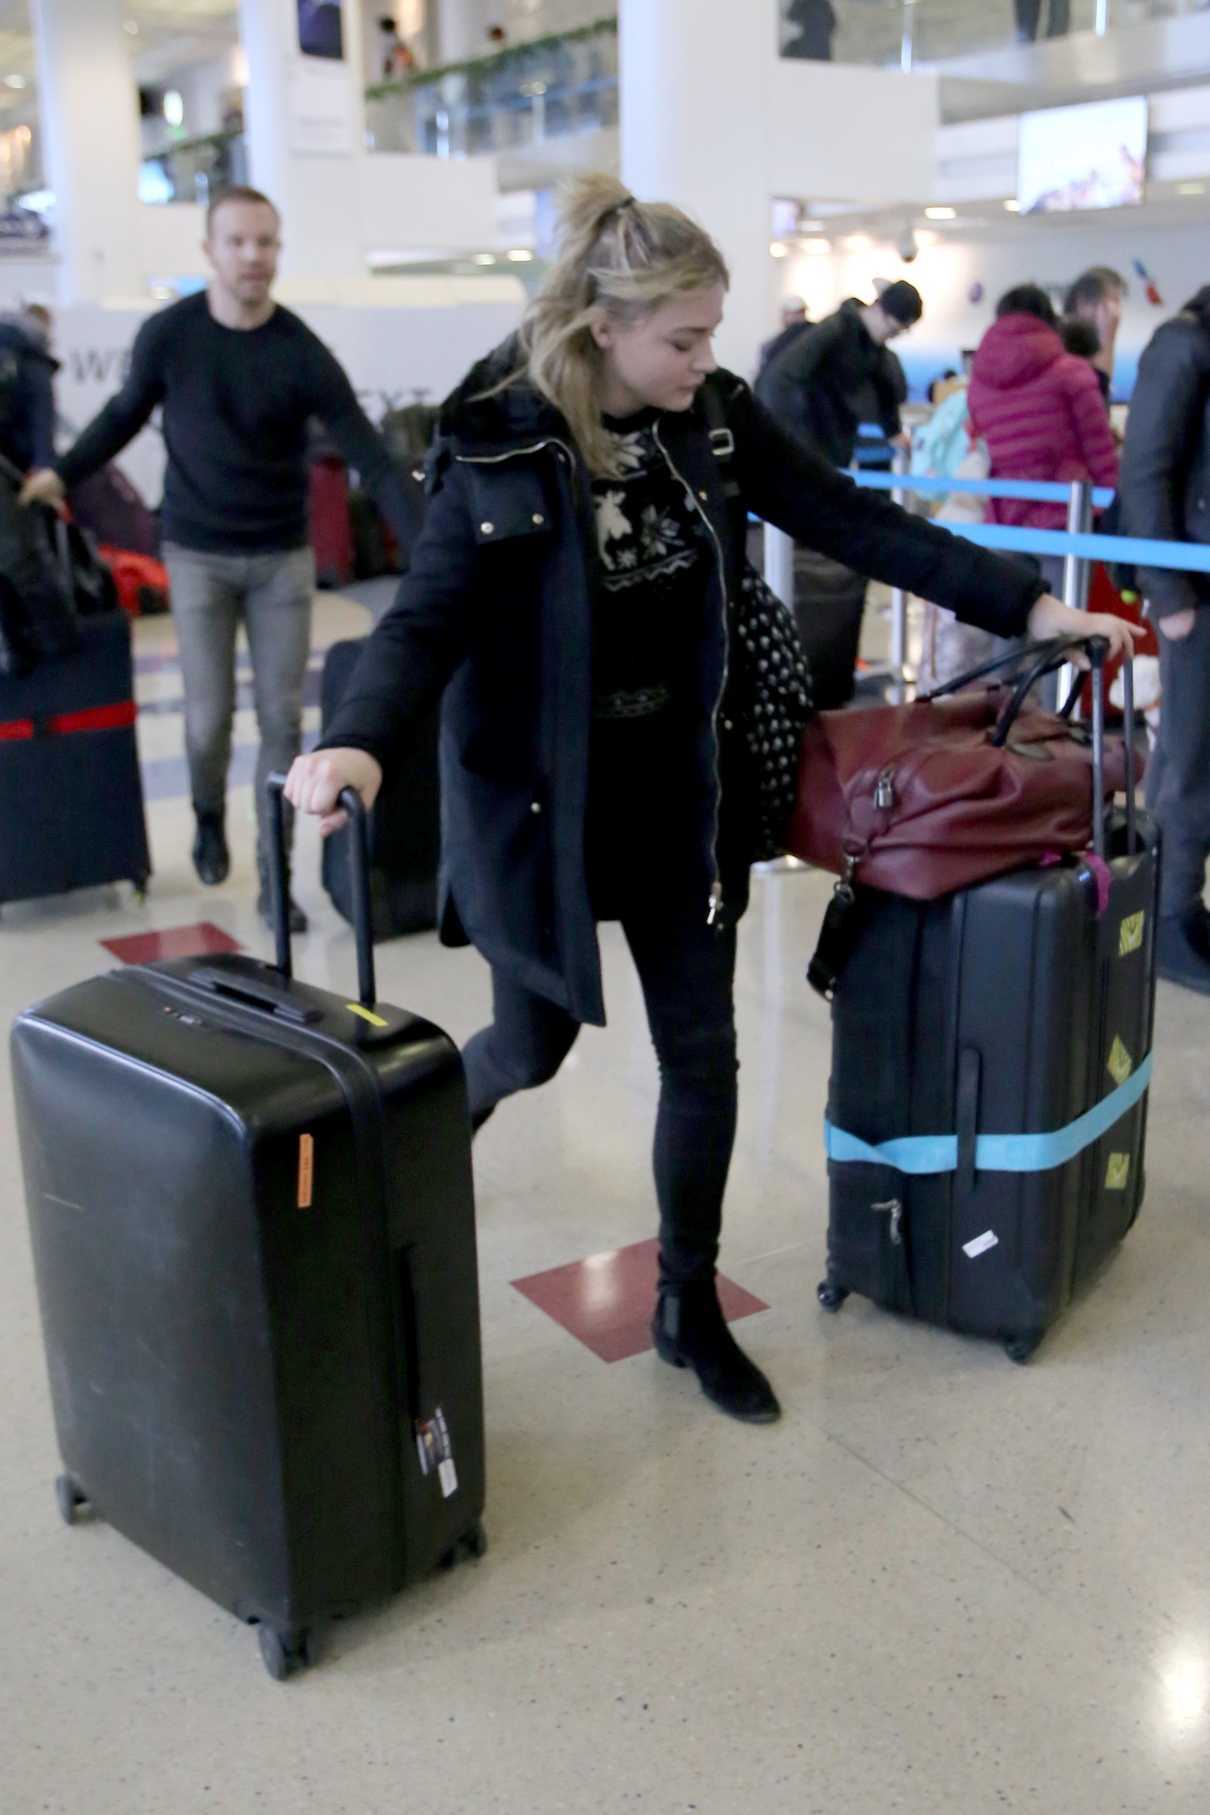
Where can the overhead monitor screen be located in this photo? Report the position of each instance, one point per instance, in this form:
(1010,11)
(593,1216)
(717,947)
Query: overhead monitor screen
(1093,156)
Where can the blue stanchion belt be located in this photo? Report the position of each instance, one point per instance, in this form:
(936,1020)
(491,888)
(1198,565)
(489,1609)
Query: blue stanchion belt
(928,1153)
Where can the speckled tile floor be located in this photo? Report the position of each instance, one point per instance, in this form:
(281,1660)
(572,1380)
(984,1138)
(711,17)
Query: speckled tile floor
(942,1583)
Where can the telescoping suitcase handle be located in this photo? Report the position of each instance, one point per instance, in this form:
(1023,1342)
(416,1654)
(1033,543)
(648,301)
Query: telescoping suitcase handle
(1031,664)
(359,836)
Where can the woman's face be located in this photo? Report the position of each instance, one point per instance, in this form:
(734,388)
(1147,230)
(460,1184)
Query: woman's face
(659,361)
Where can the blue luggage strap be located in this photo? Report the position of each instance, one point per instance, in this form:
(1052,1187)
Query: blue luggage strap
(929,1153)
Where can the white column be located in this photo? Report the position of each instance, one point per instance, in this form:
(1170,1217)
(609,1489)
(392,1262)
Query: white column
(462,29)
(306,136)
(693,78)
(89,112)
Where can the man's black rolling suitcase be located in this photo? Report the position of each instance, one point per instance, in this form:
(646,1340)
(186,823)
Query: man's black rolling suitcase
(829,603)
(405,836)
(253,1232)
(71,797)
(987,1104)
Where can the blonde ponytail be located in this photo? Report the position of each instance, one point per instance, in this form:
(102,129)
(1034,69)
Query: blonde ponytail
(615,256)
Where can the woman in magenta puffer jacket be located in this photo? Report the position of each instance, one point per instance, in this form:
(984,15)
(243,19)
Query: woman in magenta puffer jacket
(1038,408)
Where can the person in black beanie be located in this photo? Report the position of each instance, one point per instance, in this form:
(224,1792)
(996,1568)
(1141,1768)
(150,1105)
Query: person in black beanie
(821,386)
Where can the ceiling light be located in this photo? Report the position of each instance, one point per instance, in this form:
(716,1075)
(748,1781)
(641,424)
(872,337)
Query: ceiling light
(817,248)
(484,258)
(779,249)
(520,257)
(15,82)
(1191,189)
(1012,205)
(174,107)
(858,242)
(131,27)
(941,214)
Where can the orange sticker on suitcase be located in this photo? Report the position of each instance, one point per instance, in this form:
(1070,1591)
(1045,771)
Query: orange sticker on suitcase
(306,1170)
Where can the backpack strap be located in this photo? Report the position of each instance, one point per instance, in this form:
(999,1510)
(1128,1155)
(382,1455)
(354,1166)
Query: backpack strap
(722,441)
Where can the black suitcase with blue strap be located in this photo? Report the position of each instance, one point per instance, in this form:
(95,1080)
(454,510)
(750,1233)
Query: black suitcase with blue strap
(988,1100)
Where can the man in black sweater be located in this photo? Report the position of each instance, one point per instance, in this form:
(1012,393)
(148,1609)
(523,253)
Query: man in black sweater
(237,378)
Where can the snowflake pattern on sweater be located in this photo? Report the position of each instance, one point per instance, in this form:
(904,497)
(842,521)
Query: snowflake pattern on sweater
(650,543)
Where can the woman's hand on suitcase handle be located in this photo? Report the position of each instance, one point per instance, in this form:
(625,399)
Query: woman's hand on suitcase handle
(1051,618)
(43,487)
(314,784)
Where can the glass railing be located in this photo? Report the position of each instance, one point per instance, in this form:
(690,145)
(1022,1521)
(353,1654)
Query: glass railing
(192,170)
(904,34)
(520,97)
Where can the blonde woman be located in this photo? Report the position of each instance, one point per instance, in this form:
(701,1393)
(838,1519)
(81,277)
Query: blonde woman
(572,596)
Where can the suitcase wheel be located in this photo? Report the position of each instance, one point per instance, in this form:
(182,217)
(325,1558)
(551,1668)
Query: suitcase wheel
(284,1653)
(830,1296)
(472,1543)
(69,1497)
(1020,1348)
(139,885)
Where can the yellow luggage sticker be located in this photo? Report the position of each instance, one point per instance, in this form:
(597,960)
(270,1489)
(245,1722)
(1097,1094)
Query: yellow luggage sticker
(1130,938)
(1121,1065)
(367,1014)
(1117,1174)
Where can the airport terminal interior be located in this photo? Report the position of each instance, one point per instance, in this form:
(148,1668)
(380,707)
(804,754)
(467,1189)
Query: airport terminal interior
(940,1583)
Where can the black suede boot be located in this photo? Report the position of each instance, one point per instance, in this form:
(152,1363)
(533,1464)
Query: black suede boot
(690,1331)
(211,858)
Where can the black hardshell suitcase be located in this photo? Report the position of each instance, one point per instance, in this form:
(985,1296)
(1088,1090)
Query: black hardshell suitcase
(253,1231)
(405,834)
(71,796)
(1015,1008)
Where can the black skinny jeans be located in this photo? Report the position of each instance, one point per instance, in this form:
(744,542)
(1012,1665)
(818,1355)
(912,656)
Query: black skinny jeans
(687,971)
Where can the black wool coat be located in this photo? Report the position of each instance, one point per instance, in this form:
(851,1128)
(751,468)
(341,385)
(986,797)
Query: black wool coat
(496,613)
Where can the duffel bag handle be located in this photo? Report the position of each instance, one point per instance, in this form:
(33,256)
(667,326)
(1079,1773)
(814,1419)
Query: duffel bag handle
(359,869)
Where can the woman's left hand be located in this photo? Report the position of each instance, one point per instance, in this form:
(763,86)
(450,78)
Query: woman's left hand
(1051,618)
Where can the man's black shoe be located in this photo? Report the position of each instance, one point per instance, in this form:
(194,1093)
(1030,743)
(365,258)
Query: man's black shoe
(211,858)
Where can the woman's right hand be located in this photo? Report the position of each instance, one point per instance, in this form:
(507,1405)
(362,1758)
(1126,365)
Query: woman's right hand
(314,784)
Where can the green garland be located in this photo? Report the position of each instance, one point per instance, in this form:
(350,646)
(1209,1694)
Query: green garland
(501,59)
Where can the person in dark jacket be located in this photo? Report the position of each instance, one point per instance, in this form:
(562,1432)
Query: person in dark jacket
(816,386)
(794,319)
(1096,297)
(814,23)
(27,392)
(570,594)
(237,379)
(1029,19)
(822,386)
(1165,495)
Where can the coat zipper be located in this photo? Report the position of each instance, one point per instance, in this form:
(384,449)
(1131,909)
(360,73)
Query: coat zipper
(715,905)
(514,453)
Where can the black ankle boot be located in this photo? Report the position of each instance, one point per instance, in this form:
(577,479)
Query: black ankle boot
(211,859)
(690,1331)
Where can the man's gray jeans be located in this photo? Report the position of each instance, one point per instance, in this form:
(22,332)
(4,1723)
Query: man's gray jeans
(273,595)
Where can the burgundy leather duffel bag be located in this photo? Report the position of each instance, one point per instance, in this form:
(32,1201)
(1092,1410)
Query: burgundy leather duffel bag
(924,799)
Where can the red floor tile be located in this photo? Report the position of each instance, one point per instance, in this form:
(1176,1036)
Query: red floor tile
(198,941)
(606,1301)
